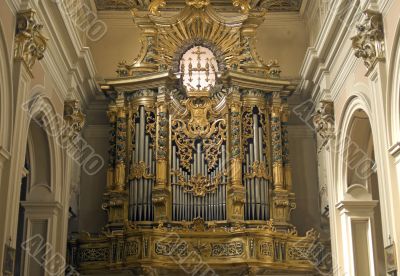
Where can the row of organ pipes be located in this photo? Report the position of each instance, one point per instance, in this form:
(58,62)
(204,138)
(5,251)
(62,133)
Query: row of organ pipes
(140,188)
(257,188)
(186,206)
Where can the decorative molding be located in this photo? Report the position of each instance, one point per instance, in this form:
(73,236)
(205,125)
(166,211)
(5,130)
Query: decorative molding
(30,43)
(324,121)
(369,43)
(74,118)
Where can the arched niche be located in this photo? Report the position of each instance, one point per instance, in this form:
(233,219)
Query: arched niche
(39,157)
(359,151)
(359,199)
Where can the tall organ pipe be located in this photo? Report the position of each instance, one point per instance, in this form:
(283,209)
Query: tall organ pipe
(252,196)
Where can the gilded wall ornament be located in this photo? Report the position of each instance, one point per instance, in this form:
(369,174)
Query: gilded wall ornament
(369,42)
(30,43)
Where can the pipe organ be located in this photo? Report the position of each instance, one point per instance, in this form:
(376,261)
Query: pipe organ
(198,159)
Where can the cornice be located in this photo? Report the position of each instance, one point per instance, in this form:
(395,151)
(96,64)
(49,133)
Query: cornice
(63,61)
(320,59)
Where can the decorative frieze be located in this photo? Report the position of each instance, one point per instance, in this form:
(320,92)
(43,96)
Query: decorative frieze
(228,249)
(171,249)
(369,44)
(324,121)
(30,43)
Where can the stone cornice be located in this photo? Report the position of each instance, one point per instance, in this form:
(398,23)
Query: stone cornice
(321,57)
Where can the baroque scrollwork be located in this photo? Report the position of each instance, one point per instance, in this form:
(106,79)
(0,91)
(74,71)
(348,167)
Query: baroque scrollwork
(258,170)
(369,43)
(171,248)
(229,249)
(140,170)
(199,120)
(199,185)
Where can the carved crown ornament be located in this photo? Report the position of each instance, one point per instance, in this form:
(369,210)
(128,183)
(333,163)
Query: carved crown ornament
(30,43)
(324,121)
(74,118)
(369,43)
(165,39)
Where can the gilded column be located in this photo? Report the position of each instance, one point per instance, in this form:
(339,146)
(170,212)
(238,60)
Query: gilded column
(276,133)
(120,151)
(236,193)
(287,167)
(281,201)
(112,117)
(161,191)
(116,197)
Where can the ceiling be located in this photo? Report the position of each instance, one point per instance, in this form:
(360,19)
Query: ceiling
(220,5)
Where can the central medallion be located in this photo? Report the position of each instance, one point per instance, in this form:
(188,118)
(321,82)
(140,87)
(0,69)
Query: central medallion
(199,70)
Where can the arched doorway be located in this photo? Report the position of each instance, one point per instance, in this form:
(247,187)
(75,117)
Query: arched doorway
(360,208)
(33,222)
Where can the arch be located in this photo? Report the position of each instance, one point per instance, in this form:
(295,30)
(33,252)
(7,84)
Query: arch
(6,99)
(356,103)
(393,97)
(356,143)
(46,123)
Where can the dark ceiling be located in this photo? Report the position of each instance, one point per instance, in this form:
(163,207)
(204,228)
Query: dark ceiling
(220,5)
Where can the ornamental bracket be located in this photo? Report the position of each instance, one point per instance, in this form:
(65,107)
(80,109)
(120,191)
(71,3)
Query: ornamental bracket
(74,119)
(30,43)
(369,43)
(324,121)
